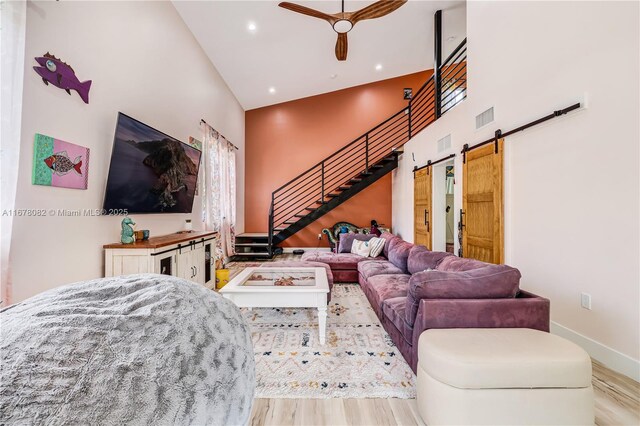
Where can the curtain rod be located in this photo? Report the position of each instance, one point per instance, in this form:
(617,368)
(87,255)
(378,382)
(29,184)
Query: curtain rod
(220,134)
(500,135)
(433,163)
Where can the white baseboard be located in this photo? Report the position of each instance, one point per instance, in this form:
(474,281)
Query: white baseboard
(291,249)
(611,358)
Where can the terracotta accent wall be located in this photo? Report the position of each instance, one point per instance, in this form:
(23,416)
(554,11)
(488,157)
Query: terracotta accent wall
(286,139)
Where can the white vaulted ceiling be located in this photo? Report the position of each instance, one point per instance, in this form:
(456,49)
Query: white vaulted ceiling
(294,54)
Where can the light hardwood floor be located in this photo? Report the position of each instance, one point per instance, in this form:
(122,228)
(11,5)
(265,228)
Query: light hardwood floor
(617,402)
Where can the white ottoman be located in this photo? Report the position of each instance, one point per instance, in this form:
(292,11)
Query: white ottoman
(501,376)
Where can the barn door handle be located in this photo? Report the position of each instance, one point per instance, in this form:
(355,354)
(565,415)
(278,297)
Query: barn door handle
(426,218)
(460,233)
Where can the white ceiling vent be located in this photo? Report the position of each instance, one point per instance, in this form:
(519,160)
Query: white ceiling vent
(444,143)
(484,118)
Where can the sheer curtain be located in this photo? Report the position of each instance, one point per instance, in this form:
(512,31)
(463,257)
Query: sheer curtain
(219,198)
(13,17)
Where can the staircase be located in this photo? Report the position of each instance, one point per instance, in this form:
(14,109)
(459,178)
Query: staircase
(354,167)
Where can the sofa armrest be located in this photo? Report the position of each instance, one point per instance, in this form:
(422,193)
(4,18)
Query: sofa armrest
(330,237)
(525,311)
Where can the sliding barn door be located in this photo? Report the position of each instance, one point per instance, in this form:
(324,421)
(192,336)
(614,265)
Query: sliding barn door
(483,224)
(422,207)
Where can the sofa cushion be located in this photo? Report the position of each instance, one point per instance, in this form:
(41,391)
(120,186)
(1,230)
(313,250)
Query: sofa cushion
(337,261)
(489,282)
(399,254)
(370,268)
(346,241)
(421,259)
(389,240)
(394,310)
(383,287)
(456,264)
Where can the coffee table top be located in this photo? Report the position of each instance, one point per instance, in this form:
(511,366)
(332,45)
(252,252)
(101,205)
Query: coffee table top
(285,279)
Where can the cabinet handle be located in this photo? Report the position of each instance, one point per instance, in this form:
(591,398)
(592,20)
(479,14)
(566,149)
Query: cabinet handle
(426,218)
(196,268)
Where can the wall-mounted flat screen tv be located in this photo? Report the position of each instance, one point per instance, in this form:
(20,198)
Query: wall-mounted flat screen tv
(150,171)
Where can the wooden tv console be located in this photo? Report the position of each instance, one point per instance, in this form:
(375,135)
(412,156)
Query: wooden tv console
(188,255)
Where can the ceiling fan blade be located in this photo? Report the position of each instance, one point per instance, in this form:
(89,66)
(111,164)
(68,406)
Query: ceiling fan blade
(341,47)
(376,10)
(308,11)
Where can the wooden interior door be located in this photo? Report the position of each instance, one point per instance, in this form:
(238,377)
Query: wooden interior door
(422,207)
(482,205)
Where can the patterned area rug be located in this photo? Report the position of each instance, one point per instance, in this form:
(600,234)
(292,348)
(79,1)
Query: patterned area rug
(359,360)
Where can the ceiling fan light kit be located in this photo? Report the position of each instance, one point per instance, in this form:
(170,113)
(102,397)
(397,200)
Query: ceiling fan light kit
(344,22)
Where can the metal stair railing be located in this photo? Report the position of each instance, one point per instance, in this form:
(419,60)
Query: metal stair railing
(335,173)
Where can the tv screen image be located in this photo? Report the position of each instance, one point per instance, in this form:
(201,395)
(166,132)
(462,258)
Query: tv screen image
(150,172)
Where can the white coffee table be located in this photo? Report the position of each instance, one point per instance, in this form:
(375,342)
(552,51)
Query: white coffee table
(281,288)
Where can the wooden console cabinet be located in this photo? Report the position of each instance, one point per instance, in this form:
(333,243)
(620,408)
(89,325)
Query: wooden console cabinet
(185,255)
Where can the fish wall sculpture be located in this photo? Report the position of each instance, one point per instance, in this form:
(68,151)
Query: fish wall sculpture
(60,74)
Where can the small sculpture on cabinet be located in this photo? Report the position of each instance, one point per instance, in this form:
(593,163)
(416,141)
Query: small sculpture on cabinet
(127,234)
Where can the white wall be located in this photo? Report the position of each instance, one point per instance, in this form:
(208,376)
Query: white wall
(144,62)
(571,184)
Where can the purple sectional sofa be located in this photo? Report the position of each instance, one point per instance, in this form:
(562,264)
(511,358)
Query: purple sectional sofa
(412,289)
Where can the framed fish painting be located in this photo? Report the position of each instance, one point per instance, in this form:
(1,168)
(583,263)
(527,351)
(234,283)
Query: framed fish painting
(59,163)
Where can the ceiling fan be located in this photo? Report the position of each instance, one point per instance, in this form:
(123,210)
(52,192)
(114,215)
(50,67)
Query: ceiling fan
(343,22)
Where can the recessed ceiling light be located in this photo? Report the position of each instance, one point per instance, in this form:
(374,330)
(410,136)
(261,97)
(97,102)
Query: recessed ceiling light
(379,67)
(272,90)
(252,27)
(333,76)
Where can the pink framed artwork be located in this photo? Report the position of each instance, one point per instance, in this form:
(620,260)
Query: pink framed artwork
(59,163)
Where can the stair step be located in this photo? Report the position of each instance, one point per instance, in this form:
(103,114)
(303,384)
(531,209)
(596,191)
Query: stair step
(263,254)
(343,188)
(366,174)
(252,244)
(333,195)
(279,229)
(253,235)
(376,166)
(300,215)
(352,181)
(311,209)
(289,222)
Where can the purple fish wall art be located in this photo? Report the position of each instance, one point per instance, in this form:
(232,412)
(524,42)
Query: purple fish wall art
(54,71)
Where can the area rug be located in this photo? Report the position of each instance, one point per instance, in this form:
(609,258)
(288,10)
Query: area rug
(358,360)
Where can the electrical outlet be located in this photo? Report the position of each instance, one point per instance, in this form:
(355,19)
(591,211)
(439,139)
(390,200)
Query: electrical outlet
(319,236)
(585,300)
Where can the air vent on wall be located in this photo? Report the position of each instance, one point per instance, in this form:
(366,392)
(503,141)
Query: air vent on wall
(444,143)
(484,118)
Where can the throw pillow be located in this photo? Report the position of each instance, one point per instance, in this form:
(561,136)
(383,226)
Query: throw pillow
(376,246)
(360,248)
(346,240)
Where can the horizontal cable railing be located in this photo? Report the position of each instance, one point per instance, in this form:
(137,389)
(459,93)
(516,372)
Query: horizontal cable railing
(326,179)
